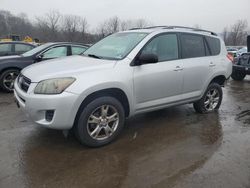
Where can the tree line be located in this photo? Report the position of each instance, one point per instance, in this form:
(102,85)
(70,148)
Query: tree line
(56,27)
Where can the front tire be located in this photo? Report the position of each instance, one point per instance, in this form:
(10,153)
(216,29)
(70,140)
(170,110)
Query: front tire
(211,100)
(7,80)
(238,76)
(100,122)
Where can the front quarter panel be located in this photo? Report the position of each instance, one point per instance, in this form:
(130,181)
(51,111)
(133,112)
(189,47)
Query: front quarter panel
(120,76)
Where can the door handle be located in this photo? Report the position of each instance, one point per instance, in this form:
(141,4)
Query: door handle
(212,64)
(178,68)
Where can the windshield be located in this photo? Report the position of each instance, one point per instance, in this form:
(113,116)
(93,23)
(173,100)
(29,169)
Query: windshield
(35,50)
(116,46)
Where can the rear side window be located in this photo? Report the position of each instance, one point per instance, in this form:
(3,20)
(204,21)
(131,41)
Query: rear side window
(77,50)
(22,48)
(214,45)
(192,46)
(5,47)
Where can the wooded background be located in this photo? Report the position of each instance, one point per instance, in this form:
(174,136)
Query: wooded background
(56,27)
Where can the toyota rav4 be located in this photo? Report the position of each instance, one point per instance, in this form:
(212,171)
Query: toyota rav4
(124,74)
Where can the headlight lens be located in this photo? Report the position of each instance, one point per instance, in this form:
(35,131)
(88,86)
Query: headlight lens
(53,86)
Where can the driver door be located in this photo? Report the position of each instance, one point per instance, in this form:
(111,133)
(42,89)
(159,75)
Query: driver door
(159,84)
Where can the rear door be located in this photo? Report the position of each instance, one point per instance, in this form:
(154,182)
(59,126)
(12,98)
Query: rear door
(197,64)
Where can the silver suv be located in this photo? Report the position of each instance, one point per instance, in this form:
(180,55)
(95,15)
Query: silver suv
(124,74)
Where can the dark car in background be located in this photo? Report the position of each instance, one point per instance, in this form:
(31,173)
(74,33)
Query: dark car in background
(15,48)
(10,66)
(241,66)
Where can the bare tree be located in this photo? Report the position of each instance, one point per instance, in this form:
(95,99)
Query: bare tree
(141,23)
(71,27)
(50,25)
(237,33)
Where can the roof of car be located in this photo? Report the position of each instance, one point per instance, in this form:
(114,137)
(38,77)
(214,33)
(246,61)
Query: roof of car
(172,28)
(67,43)
(16,42)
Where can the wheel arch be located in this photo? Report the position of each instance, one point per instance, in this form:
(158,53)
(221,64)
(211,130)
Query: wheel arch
(8,68)
(117,93)
(219,79)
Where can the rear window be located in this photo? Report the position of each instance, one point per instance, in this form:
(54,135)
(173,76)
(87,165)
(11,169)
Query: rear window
(214,45)
(192,46)
(5,47)
(22,47)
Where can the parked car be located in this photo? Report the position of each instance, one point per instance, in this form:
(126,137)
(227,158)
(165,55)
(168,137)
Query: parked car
(233,52)
(241,51)
(15,48)
(124,74)
(10,66)
(241,67)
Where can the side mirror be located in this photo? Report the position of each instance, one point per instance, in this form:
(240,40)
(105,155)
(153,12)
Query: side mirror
(147,59)
(39,57)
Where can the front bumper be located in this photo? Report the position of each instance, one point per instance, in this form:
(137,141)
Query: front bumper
(64,105)
(242,69)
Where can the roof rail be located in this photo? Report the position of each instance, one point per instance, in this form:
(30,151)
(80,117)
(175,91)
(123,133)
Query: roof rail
(150,27)
(178,27)
(190,28)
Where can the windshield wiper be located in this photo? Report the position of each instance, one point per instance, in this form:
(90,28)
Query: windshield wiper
(94,56)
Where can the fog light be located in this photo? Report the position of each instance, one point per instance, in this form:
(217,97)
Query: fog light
(49,114)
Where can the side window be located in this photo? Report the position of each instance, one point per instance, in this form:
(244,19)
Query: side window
(214,45)
(5,47)
(76,50)
(192,46)
(164,46)
(22,48)
(55,52)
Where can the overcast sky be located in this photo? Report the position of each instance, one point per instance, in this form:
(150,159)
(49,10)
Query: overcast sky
(209,14)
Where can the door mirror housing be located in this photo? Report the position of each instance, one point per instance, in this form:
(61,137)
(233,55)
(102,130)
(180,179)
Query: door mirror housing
(39,57)
(147,58)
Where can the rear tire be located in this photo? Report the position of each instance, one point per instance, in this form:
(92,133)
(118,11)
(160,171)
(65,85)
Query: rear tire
(238,76)
(7,79)
(100,122)
(211,99)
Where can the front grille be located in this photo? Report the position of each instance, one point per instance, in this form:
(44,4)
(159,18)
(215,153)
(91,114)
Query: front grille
(23,82)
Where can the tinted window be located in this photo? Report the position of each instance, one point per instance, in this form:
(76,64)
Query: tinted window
(192,46)
(22,48)
(214,45)
(55,52)
(5,47)
(164,46)
(76,50)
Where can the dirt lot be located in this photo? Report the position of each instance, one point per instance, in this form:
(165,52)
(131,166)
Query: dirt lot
(169,148)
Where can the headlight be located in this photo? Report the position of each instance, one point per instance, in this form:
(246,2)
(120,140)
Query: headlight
(53,86)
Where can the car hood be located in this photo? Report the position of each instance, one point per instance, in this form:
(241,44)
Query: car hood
(65,67)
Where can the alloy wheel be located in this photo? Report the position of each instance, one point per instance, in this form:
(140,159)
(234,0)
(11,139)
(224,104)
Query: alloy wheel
(212,99)
(103,122)
(9,79)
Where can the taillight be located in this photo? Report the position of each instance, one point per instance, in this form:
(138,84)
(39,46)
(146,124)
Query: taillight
(230,57)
